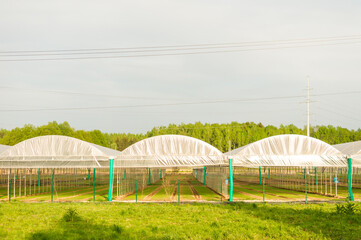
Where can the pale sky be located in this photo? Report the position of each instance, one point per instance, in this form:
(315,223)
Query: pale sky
(56,25)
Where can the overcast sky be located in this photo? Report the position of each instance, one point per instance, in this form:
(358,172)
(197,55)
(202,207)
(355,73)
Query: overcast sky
(56,25)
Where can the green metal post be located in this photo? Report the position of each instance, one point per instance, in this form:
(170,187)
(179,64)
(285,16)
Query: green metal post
(38,177)
(230,180)
(161,176)
(110,192)
(263,190)
(52,186)
(350,194)
(178,192)
(125,173)
(260,175)
(9,190)
(136,191)
(197,173)
(94,184)
(17,174)
(269,173)
(305,184)
(205,175)
(149,176)
(315,175)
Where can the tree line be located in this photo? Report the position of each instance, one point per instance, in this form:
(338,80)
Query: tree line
(222,136)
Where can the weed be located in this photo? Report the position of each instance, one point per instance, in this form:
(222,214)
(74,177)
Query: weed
(71,215)
(349,208)
(118,229)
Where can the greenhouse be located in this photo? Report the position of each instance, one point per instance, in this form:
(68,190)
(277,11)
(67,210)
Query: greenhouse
(179,168)
(293,162)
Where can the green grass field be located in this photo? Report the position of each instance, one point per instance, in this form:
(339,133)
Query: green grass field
(173,221)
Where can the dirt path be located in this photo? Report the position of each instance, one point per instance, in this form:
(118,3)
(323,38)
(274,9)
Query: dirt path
(195,192)
(62,198)
(150,195)
(248,194)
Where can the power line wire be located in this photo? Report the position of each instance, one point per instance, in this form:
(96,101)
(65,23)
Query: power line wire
(171,104)
(247,43)
(173,53)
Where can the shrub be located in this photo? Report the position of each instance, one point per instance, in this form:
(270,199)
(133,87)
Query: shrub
(71,215)
(349,208)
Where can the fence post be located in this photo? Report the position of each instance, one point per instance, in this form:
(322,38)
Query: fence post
(205,176)
(125,173)
(9,190)
(305,184)
(52,186)
(149,176)
(178,192)
(350,194)
(263,190)
(269,173)
(94,185)
(136,190)
(110,192)
(161,176)
(315,175)
(230,180)
(221,191)
(260,175)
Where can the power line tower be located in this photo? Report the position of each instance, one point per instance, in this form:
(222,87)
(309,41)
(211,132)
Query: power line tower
(308,106)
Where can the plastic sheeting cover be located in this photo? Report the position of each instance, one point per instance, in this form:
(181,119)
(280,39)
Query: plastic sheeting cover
(170,151)
(3,148)
(55,151)
(287,150)
(351,149)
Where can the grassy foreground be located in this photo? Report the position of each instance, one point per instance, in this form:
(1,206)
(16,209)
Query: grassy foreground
(171,221)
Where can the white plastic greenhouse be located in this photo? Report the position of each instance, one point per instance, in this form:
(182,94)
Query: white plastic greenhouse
(41,164)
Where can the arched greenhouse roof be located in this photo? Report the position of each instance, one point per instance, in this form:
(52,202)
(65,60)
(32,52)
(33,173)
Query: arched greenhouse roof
(3,148)
(352,150)
(170,151)
(55,151)
(287,150)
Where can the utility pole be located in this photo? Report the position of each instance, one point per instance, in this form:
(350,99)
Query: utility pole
(308,106)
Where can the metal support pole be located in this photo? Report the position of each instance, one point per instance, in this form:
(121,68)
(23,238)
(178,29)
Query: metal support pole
(136,191)
(269,173)
(52,186)
(178,191)
(38,177)
(305,185)
(9,190)
(110,192)
(221,192)
(205,176)
(94,184)
(230,180)
(149,176)
(263,190)
(125,173)
(315,175)
(89,174)
(350,194)
(161,176)
(260,175)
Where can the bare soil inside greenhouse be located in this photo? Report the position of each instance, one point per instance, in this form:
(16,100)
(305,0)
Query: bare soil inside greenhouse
(178,188)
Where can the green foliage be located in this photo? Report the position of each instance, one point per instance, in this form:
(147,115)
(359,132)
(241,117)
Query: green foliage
(347,209)
(219,135)
(170,221)
(71,215)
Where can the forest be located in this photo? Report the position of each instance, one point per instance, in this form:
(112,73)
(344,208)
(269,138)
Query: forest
(222,136)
